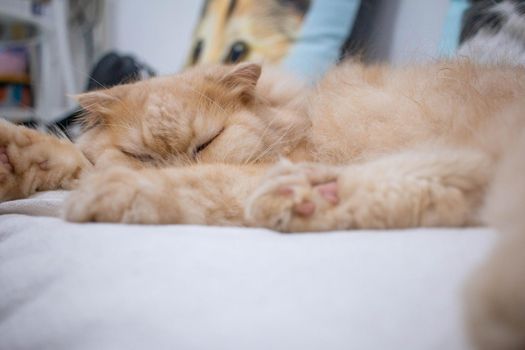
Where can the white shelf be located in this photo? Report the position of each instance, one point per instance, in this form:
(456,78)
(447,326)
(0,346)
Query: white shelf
(59,57)
(53,68)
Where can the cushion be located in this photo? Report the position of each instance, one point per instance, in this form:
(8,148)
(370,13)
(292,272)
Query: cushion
(304,35)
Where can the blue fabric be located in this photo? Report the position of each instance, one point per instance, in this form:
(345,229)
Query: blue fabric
(452,29)
(325,30)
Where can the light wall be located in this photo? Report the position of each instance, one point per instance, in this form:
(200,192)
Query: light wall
(158,32)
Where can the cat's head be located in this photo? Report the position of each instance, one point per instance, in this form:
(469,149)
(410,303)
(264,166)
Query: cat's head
(205,114)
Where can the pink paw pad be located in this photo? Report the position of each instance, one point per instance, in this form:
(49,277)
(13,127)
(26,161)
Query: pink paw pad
(304,209)
(285,191)
(329,192)
(44,165)
(4,159)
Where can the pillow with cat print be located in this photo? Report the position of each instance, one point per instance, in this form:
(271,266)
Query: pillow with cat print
(305,36)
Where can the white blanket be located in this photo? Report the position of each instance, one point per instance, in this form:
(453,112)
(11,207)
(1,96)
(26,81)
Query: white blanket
(41,204)
(93,286)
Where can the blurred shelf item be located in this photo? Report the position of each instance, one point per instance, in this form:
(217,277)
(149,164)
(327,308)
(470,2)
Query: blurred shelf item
(15,79)
(28,11)
(16,93)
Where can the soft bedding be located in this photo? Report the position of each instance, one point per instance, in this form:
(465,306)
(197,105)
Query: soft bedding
(99,286)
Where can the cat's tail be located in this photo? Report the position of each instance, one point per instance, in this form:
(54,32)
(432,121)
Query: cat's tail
(493,32)
(496,294)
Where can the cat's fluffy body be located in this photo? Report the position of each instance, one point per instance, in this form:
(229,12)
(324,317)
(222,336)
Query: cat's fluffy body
(371,147)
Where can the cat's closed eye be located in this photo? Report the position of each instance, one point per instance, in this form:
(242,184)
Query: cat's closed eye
(204,145)
(144,158)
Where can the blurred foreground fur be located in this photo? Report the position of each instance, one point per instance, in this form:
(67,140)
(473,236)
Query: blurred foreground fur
(495,297)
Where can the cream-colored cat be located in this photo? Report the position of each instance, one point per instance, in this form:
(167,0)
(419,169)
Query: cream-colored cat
(368,147)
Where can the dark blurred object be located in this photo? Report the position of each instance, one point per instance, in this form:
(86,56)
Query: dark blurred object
(356,44)
(114,69)
(111,70)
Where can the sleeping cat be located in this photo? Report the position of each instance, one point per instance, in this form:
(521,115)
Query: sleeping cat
(371,147)
(368,147)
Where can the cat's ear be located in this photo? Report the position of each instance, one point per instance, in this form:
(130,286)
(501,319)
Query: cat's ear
(97,104)
(242,79)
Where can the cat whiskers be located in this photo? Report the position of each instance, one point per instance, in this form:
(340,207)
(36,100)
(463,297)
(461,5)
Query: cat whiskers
(261,140)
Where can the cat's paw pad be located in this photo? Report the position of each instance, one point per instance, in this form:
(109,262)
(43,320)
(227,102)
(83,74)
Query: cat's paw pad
(294,197)
(116,195)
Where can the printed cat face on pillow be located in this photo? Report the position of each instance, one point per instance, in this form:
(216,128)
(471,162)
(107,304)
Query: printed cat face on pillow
(210,114)
(231,31)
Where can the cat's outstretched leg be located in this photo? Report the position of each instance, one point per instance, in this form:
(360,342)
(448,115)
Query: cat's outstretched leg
(31,161)
(410,189)
(211,194)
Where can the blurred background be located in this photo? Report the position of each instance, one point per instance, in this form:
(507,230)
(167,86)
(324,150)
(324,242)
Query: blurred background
(52,49)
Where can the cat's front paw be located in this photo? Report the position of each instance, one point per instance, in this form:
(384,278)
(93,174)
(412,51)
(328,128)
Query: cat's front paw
(8,185)
(31,161)
(117,195)
(13,163)
(295,198)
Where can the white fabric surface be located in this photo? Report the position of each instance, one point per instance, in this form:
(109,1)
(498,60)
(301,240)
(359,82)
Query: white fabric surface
(41,204)
(94,286)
